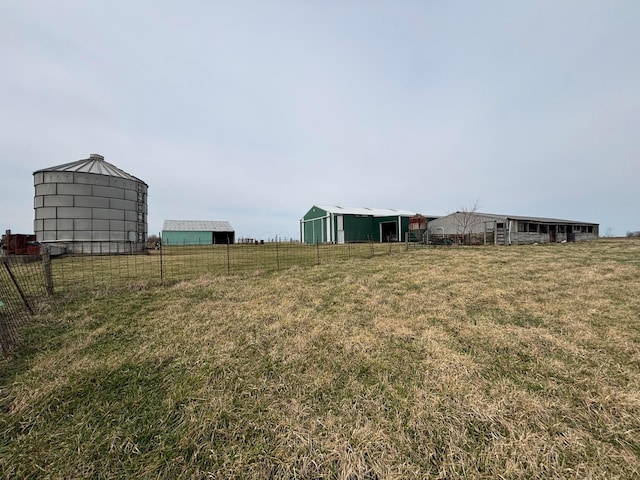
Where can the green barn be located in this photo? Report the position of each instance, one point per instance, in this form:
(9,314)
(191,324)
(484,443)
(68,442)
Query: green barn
(195,232)
(334,224)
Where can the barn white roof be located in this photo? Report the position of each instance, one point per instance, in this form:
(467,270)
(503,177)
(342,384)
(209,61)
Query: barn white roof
(196,226)
(373,212)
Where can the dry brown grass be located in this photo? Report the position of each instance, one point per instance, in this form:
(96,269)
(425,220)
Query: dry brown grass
(518,362)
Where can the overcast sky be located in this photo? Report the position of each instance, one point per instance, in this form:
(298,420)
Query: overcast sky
(253,111)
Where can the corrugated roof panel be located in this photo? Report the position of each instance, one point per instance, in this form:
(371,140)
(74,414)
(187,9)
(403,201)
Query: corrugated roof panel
(374,212)
(196,226)
(94,164)
(531,219)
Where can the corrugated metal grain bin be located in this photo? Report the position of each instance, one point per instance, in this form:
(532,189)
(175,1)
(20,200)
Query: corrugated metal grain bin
(91,207)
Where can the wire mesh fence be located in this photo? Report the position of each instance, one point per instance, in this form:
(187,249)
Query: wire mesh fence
(176,263)
(22,290)
(485,238)
(25,281)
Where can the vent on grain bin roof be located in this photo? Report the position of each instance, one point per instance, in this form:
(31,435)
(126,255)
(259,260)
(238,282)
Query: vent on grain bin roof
(90,206)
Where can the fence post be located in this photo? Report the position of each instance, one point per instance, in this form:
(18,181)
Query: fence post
(371,247)
(46,265)
(161,247)
(318,250)
(277,255)
(228,259)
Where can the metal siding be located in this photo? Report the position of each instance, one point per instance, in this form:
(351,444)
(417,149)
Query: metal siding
(123,183)
(93,202)
(106,214)
(110,192)
(187,238)
(452,224)
(58,201)
(314,226)
(313,231)
(58,177)
(91,179)
(359,229)
(45,212)
(73,189)
(197,226)
(46,189)
(315,212)
(80,224)
(119,204)
(97,224)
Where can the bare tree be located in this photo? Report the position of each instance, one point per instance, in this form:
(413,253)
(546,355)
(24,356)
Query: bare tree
(608,233)
(466,218)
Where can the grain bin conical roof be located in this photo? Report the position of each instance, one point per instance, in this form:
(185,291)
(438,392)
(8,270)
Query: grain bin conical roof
(94,164)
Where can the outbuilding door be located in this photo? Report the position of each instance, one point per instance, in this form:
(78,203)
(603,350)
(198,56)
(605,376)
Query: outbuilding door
(501,234)
(389,232)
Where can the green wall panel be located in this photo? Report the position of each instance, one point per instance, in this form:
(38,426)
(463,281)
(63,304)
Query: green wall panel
(315,231)
(358,229)
(187,238)
(315,212)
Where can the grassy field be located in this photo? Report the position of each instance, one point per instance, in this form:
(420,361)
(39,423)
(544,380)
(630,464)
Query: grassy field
(488,362)
(175,263)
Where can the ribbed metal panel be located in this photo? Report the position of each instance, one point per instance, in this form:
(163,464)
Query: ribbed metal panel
(90,206)
(196,226)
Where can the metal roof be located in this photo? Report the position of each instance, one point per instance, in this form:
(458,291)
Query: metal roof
(196,226)
(530,219)
(94,164)
(373,212)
